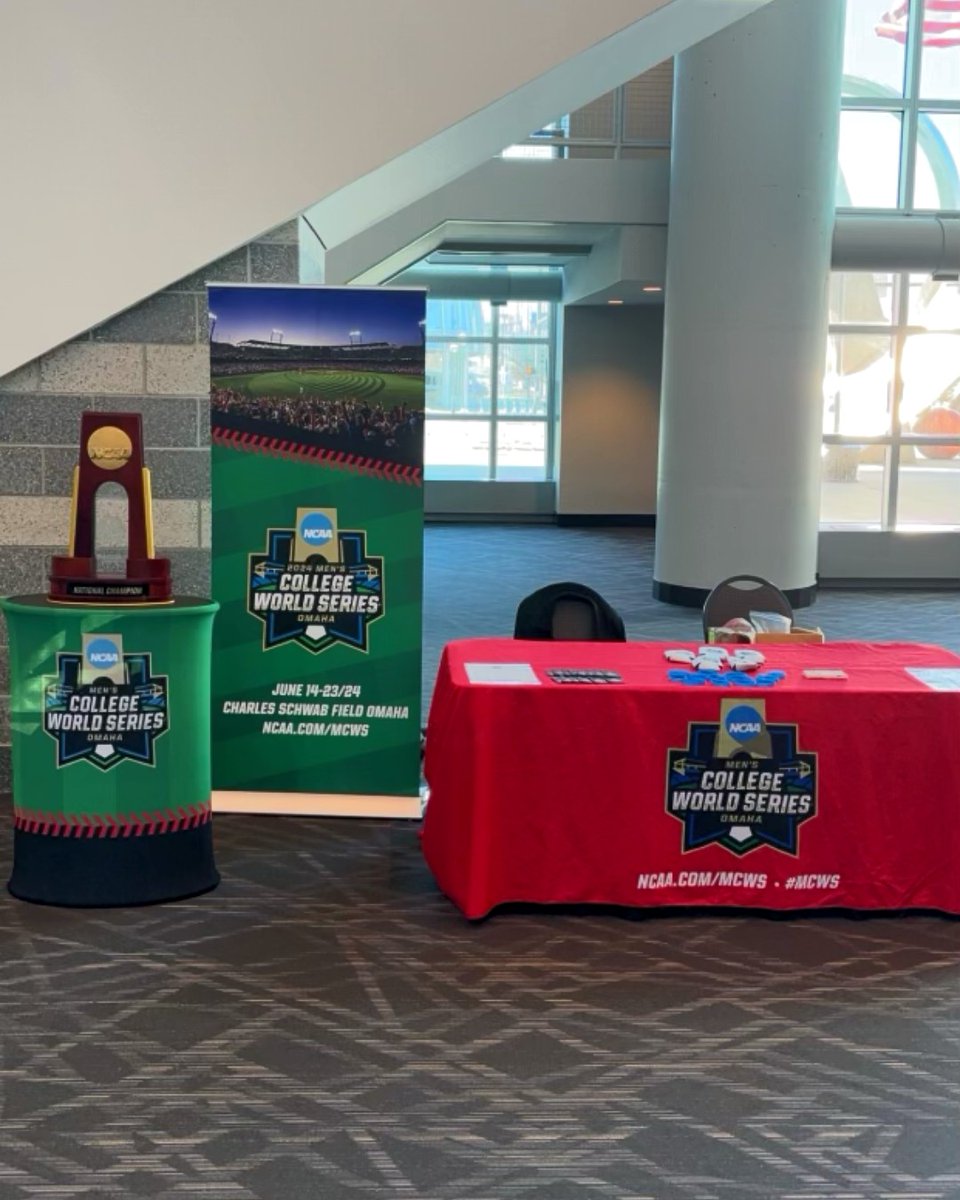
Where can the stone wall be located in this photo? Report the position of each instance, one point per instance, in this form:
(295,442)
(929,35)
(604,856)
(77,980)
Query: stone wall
(151,359)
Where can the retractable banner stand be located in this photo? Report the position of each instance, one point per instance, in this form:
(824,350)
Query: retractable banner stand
(317,531)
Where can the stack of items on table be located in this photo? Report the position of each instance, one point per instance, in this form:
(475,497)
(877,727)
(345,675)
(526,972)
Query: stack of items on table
(761,627)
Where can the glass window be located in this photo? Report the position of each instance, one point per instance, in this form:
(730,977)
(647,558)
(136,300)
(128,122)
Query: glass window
(861,298)
(522,450)
(874,48)
(883,54)
(930,370)
(857,385)
(523,383)
(858,399)
(458,377)
(933,303)
(524,150)
(524,318)
(648,104)
(558,128)
(459,318)
(940,56)
(929,492)
(594,120)
(937,184)
(852,485)
(489,397)
(640,112)
(913,366)
(869,159)
(457,449)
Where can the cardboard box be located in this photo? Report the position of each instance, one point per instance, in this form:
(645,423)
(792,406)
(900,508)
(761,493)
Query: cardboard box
(796,636)
(722,637)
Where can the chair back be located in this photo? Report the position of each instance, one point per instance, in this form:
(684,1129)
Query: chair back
(740,595)
(568,612)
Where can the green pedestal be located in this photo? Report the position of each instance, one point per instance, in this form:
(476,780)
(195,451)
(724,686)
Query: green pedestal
(110,723)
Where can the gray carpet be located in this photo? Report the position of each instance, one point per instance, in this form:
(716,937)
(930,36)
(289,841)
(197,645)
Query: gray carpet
(326,1026)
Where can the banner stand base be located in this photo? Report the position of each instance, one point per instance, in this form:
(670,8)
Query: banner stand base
(317,804)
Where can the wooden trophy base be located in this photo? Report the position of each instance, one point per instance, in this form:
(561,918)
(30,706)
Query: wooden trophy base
(74,580)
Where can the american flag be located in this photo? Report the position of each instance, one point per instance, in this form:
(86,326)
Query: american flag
(941,23)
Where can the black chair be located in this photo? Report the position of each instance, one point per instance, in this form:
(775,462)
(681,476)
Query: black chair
(739,596)
(568,612)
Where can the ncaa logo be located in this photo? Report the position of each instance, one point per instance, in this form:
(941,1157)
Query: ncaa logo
(316,529)
(103,653)
(744,723)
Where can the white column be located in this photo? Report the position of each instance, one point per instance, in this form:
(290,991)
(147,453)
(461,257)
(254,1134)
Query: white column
(751,218)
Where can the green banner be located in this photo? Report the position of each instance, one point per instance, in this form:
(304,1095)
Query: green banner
(317,533)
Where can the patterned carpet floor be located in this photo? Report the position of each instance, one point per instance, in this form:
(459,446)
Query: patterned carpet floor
(325,1025)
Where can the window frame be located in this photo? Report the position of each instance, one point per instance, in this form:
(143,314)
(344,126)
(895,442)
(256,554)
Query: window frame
(899,330)
(559,141)
(495,418)
(909,107)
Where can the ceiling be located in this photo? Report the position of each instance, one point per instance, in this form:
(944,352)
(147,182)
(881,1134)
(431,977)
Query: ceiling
(515,258)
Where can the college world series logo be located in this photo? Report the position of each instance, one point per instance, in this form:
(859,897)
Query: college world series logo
(105,706)
(741,783)
(315,584)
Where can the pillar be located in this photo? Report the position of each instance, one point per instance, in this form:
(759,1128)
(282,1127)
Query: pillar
(756,113)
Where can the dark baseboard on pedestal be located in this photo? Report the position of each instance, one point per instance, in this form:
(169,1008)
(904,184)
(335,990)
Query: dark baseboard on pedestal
(691,597)
(110,872)
(615,520)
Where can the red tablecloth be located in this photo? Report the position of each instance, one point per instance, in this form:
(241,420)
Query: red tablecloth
(811,793)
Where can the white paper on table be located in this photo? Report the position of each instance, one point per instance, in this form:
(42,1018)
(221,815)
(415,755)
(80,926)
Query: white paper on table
(941,679)
(480,672)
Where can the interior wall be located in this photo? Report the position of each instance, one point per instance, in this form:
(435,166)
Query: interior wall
(611,192)
(476,500)
(610,410)
(156,136)
(152,359)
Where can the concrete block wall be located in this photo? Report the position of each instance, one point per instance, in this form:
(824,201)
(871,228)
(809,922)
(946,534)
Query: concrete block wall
(151,359)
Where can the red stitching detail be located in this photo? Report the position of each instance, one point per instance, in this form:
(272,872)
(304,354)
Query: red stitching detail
(135,825)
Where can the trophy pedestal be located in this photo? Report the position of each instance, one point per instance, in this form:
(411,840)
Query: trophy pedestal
(110,718)
(74,580)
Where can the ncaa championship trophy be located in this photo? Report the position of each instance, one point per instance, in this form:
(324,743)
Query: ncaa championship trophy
(110,708)
(111,450)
